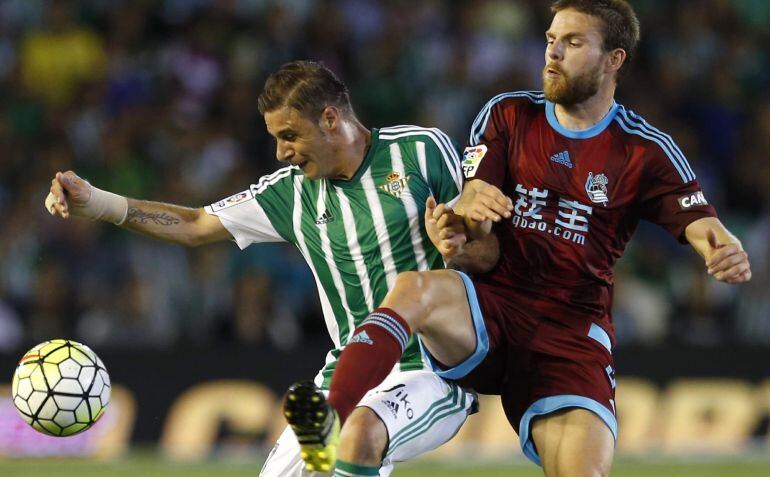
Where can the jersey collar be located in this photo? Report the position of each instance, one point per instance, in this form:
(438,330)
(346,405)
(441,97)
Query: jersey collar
(593,131)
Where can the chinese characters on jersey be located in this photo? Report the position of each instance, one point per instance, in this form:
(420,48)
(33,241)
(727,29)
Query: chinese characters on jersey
(571,221)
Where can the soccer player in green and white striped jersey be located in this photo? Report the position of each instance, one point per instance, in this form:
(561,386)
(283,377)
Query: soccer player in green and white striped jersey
(353,200)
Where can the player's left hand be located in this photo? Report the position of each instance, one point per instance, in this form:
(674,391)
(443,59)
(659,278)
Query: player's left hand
(445,228)
(727,262)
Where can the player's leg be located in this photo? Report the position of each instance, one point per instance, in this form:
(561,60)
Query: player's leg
(440,305)
(434,305)
(284,460)
(567,424)
(409,414)
(363,439)
(573,442)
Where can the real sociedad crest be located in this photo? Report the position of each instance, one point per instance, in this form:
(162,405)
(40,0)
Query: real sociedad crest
(596,187)
(395,184)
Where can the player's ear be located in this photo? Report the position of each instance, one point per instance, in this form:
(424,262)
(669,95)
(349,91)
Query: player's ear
(615,59)
(330,118)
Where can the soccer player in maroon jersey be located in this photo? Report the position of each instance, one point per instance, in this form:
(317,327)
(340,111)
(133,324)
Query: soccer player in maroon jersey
(562,178)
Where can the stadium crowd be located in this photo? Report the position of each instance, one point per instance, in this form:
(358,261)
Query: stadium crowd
(156,99)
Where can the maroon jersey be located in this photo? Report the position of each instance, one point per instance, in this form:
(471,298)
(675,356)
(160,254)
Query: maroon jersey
(578,196)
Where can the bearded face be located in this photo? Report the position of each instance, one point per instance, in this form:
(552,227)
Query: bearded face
(569,89)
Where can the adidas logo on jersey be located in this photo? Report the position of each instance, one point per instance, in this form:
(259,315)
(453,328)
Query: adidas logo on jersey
(392,407)
(324,218)
(362,337)
(562,158)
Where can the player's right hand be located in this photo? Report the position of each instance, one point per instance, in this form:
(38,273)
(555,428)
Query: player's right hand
(481,202)
(445,228)
(727,262)
(68,193)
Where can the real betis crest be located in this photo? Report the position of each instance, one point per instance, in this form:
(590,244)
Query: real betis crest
(395,184)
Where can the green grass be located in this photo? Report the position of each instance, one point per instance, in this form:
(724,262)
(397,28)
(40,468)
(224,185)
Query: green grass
(144,466)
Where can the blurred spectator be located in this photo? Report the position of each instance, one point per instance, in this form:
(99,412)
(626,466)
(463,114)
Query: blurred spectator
(123,318)
(57,59)
(260,315)
(11,329)
(753,312)
(51,311)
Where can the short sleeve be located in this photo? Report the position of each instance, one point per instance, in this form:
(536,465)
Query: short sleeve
(670,195)
(444,171)
(245,219)
(485,156)
(263,213)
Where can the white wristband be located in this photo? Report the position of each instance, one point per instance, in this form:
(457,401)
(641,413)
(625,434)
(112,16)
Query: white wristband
(103,205)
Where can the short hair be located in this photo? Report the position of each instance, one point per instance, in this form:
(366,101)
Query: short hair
(620,26)
(307,86)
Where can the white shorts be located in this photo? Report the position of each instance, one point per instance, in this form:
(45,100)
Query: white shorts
(420,410)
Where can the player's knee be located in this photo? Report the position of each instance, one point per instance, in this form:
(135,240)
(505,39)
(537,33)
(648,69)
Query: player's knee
(410,284)
(416,292)
(364,439)
(581,463)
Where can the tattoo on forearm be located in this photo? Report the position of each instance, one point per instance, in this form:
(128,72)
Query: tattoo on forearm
(138,216)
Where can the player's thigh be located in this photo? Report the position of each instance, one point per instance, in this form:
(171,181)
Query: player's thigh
(573,442)
(364,438)
(420,411)
(435,304)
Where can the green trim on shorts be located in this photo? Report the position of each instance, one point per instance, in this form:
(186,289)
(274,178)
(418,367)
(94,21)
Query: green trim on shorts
(453,403)
(346,469)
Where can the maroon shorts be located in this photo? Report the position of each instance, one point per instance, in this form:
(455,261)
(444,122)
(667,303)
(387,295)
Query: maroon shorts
(537,365)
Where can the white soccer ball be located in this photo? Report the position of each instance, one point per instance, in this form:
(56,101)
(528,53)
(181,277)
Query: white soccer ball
(60,387)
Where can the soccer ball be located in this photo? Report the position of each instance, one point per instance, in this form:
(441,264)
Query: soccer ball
(60,387)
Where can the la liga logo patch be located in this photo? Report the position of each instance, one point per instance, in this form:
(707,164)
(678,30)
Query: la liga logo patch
(232,200)
(472,157)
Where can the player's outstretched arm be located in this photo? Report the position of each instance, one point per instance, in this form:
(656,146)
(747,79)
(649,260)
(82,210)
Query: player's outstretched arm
(481,204)
(725,258)
(71,195)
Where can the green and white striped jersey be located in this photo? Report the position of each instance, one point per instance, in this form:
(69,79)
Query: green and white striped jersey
(356,235)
